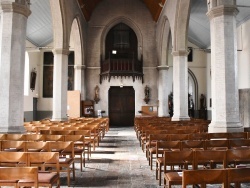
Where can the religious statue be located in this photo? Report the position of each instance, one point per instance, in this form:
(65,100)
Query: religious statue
(146,91)
(203,107)
(170,104)
(96,99)
(190,106)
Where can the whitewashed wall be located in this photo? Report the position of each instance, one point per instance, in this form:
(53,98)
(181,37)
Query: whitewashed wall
(243,38)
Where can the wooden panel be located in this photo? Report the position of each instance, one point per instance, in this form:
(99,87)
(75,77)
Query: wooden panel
(149,110)
(73,108)
(88,6)
(88,108)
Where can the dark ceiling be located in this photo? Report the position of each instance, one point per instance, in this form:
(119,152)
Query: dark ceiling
(154,6)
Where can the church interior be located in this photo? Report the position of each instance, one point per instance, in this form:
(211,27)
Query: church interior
(156,79)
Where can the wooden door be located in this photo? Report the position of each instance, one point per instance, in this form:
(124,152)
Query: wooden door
(121,106)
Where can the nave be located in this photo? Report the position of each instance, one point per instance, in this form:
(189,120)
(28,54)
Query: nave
(117,162)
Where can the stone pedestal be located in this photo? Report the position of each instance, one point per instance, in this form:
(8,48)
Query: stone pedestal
(162,91)
(224,84)
(60,81)
(12,57)
(180,83)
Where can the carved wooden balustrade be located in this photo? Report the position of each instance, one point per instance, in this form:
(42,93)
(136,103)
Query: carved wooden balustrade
(115,67)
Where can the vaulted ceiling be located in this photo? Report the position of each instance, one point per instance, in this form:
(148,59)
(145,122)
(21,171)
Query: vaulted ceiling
(39,28)
(154,6)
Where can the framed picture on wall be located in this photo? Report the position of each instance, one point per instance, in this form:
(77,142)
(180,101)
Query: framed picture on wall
(48,66)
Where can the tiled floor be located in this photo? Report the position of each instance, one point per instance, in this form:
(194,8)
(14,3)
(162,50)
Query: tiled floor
(117,163)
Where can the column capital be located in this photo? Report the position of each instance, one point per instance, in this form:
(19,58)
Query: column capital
(79,67)
(222,10)
(180,53)
(61,51)
(163,67)
(16,8)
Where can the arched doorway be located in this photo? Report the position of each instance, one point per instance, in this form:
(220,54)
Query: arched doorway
(121,106)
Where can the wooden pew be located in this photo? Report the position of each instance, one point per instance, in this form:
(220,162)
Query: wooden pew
(204,177)
(45,160)
(12,176)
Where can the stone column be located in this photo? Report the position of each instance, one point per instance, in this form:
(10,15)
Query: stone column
(12,57)
(60,83)
(180,85)
(224,83)
(80,80)
(162,91)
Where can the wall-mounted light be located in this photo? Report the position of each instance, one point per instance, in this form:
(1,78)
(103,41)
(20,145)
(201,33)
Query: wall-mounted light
(114,52)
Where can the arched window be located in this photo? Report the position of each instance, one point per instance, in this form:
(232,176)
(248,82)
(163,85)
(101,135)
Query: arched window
(121,42)
(121,54)
(26,74)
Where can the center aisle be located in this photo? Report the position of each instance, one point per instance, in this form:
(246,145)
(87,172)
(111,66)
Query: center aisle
(117,162)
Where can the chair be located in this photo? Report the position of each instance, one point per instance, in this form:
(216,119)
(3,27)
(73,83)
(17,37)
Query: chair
(79,147)
(13,159)
(12,145)
(237,135)
(87,139)
(238,176)
(11,176)
(151,144)
(181,159)
(2,137)
(216,144)
(210,159)
(45,131)
(61,132)
(31,146)
(34,137)
(16,137)
(179,137)
(203,177)
(192,145)
(161,147)
(48,162)
(239,144)
(198,136)
(50,137)
(237,157)
(66,163)
(217,136)
(93,136)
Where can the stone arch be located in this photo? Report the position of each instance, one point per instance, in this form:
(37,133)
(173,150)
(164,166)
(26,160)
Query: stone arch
(128,22)
(164,42)
(61,30)
(180,32)
(76,41)
(194,81)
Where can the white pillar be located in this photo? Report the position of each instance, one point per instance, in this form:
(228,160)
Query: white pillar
(12,57)
(162,91)
(225,97)
(180,86)
(60,83)
(80,80)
